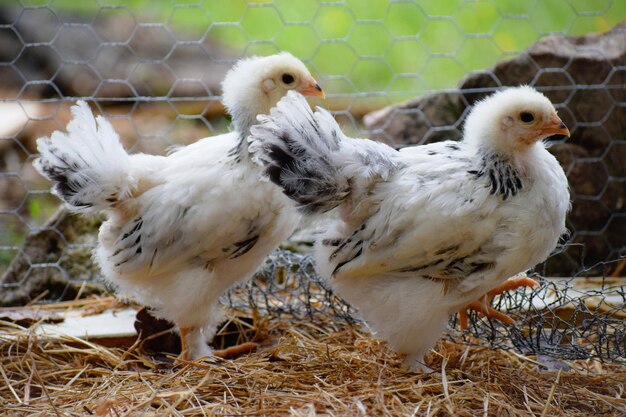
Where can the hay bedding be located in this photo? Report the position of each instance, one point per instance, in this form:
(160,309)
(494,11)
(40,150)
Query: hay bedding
(302,368)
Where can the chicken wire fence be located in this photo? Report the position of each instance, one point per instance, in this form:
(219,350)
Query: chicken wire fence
(154,68)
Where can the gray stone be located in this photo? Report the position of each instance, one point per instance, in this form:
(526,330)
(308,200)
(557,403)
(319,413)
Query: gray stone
(54,263)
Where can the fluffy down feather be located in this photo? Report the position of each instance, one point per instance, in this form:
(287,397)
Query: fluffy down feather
(425,230)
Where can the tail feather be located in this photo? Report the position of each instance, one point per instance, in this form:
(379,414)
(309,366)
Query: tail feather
(295,146)
(88,165)
(310,158)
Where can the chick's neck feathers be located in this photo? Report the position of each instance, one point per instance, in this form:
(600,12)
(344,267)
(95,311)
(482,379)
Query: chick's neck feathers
(244,98)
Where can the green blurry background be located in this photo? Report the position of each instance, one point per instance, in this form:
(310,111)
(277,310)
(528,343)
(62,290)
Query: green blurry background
(396,49)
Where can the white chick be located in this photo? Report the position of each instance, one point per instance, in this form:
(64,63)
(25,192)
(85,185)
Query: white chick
(425,230)
(184,228)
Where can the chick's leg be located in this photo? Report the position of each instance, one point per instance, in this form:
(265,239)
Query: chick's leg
(193,344)
(416,363)
(482,304)
(184,351)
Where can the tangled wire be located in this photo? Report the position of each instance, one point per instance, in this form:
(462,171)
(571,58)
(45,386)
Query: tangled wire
(574,318)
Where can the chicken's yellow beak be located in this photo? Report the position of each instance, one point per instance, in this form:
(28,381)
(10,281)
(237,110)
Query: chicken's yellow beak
(311,88)
(555,126)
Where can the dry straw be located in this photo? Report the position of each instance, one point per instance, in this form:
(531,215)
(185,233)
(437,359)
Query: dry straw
(303,367)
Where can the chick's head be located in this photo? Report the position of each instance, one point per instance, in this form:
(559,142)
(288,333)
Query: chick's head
(254,85)
(513,120)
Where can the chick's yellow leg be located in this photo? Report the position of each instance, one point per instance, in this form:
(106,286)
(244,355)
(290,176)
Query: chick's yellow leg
(512,284)
(184,351)
(482,304)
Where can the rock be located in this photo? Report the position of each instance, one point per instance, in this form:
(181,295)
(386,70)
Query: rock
(54,262)
(585,78)
(429,119)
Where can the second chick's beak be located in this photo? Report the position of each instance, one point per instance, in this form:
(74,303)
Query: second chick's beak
(555,126)
(311,88)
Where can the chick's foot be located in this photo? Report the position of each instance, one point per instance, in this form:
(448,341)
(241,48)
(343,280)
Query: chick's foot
(482,305)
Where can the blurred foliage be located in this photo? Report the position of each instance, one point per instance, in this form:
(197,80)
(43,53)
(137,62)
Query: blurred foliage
(40,208)
(397,49)
(13,233)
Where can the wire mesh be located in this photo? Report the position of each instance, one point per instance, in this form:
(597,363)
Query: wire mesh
(154,68)
(564,318)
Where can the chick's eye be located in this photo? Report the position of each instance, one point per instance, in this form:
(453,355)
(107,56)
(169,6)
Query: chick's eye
(526,117)
(287,78)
